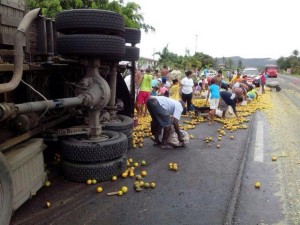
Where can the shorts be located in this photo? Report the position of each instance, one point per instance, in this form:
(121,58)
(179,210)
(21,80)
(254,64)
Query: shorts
(214,103)
(223,105)
(143,97)
(164,80)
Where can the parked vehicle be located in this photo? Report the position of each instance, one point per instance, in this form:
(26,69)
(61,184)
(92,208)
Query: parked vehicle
(210,73)
(251,73)
(271,70)
(62,90)
(256,81)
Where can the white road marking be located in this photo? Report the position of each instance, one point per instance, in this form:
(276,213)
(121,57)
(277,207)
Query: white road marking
(259,143)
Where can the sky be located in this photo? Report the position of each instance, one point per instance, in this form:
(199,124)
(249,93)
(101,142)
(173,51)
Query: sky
(221,28)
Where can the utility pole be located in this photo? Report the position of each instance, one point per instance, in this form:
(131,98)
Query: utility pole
(196,43)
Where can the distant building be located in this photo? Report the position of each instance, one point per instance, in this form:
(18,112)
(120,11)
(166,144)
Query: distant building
(145,63)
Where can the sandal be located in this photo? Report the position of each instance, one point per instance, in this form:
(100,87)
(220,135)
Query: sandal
(156,143)
(166,146)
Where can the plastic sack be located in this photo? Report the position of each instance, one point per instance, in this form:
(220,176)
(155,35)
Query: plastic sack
(272,84)
(244,103)
(219,113)
(173,138)
(229,113)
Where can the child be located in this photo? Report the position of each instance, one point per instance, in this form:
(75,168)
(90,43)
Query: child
(197,89)
(175,90)
(154,91)
(252,94)
(162,89)
(214,98)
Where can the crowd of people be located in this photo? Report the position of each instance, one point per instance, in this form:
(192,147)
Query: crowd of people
(166,97)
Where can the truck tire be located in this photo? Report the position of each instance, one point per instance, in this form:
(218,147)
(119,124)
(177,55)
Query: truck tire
(125,126)
(131,54)
(81,149)
(89,21)
(132,36)
(100,171)
(102,46)
(6,191)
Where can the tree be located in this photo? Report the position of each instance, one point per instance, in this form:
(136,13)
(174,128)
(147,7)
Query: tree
(284,63)
(240,64)
(295,53)
(131,11)
(229,63)
(48,8)
(164,56)
(223,60)
(206,60)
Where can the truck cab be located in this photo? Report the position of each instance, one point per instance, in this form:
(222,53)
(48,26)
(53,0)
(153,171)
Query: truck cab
(271,70)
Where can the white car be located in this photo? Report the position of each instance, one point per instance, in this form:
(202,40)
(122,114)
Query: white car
(210,73)
(251,74)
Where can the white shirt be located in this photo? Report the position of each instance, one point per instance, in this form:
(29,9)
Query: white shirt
(172,106)
(127,80)
(187,85)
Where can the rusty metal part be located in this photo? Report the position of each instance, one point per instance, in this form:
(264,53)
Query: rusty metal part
(25,122)
(105,116)
(72,131)
(13,141)
(113,115)
(95,94)
(94,123)
(7,110)
(93,89)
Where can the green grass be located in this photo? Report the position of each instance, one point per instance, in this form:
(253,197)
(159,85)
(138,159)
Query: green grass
(294,75)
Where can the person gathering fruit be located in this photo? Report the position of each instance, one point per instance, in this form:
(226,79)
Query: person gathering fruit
(164,112)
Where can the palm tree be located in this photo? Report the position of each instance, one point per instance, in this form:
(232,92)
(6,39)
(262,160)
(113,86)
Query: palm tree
(164,56)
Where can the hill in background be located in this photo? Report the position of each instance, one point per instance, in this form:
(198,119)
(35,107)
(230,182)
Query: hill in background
(252,62)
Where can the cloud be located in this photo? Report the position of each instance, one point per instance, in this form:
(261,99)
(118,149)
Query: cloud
(248,28)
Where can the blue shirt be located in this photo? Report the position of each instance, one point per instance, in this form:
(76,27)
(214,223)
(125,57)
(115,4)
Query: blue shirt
(214,91)
(154,83)
(153,93)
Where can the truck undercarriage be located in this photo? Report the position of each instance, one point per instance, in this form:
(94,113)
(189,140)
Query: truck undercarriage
(60,82)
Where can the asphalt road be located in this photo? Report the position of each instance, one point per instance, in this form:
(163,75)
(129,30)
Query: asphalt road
(198,193)
(275,134)
(212,185)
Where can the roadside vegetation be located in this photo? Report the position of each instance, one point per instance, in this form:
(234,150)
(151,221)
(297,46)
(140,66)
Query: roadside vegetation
(134,19)
(290,65)
(130,10)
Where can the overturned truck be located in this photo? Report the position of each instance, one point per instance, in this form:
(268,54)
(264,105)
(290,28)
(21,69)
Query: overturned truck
(60,82)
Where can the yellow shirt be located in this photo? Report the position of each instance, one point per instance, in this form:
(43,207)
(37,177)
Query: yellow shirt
(236,79)
(175,92)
